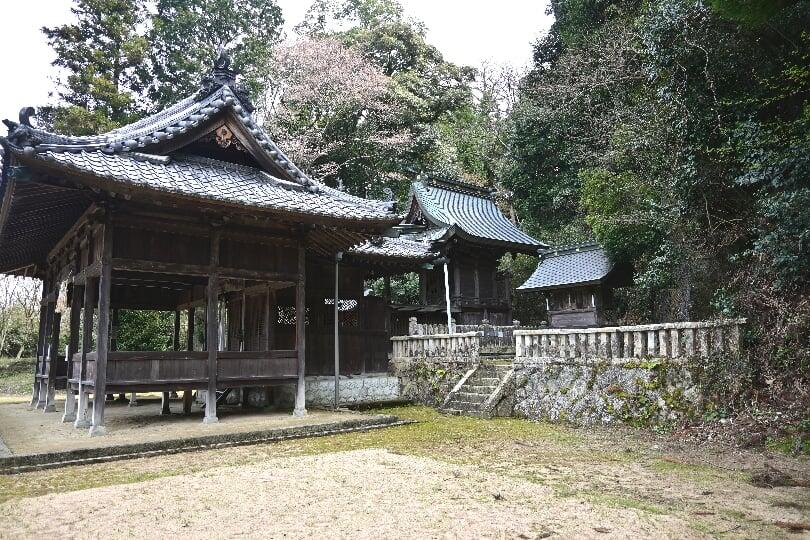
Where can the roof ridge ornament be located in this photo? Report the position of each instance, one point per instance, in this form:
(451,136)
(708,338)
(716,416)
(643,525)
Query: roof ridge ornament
(222,74)
(22,134)
(25,115)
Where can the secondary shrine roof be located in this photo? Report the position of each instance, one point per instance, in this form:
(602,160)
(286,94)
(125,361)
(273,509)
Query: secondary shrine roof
(581,264)
(470,211)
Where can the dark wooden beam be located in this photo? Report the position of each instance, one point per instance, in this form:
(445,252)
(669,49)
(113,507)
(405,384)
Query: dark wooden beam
(53,358)
(76,294)
(43,314)
(187,397)
(159,267)
(300,332)
(103,333)
(212,332)
(90,289)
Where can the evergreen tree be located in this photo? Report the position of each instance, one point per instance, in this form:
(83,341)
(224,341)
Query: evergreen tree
(187,34)
(101,53)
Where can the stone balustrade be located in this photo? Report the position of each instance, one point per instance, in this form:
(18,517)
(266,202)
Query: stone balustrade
(667,340)
(438,346)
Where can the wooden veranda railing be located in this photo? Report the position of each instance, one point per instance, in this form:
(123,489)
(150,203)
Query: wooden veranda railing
(125,368)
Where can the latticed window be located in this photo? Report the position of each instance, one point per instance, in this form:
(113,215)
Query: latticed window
(347,308)
(286,315)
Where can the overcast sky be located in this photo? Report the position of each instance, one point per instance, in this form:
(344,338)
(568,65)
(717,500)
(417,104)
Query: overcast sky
(467,32)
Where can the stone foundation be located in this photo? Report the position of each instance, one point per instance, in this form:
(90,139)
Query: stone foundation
(354,390)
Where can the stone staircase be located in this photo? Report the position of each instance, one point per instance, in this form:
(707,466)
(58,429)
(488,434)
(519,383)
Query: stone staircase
(483,391)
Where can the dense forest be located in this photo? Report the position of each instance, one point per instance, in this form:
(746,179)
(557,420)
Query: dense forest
(674,132)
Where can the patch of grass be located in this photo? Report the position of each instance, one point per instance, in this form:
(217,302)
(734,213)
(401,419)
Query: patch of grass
(434,434)
(16,376)
(792,445)
(613,500)
(690,470)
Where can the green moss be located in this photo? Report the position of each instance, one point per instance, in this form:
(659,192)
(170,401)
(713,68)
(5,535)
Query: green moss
(612,500)
(689,470)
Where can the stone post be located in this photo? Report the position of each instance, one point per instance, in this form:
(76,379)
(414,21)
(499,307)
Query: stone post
(413,327)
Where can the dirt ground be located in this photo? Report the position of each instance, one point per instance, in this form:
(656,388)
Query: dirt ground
(33,432)
(444,477)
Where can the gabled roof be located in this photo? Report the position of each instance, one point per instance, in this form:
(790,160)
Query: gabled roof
(582,264)
(136,155)
(469,212)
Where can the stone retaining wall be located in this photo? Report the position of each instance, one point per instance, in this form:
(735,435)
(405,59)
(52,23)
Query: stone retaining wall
(639,375)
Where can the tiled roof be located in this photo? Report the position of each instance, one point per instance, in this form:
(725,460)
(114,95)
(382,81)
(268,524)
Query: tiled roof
(130,155)
(572,265)
(205,178)
(163,126)
(399,248)
(471,210)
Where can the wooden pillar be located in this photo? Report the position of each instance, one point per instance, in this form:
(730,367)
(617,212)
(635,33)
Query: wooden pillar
(190,347)
(192,314)
(103,332)
(53,358)
(90,287)
(242,333)
(43,315)
(271,338)
(456,277)
(266,333)
(76,292)
(447,299)
(46,347)
(176,337)
(387,302)
(477,282)
(116,322)
(212,337)
(300,333)
(133,396)
(165,396)
(337,330)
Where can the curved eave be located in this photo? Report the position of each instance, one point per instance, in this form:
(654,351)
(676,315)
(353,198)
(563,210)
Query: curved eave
(437,218)
(561,286)
(113,185)
(509,247)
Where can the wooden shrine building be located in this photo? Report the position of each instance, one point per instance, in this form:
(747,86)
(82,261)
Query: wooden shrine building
(193,210)
(577,282)
(459,224)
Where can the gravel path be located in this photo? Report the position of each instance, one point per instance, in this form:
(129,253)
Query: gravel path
(355,494)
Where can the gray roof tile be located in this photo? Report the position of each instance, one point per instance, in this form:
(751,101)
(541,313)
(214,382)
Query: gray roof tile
(471,210)
(403,247)
(209,179)
(166,124)
(572,265)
